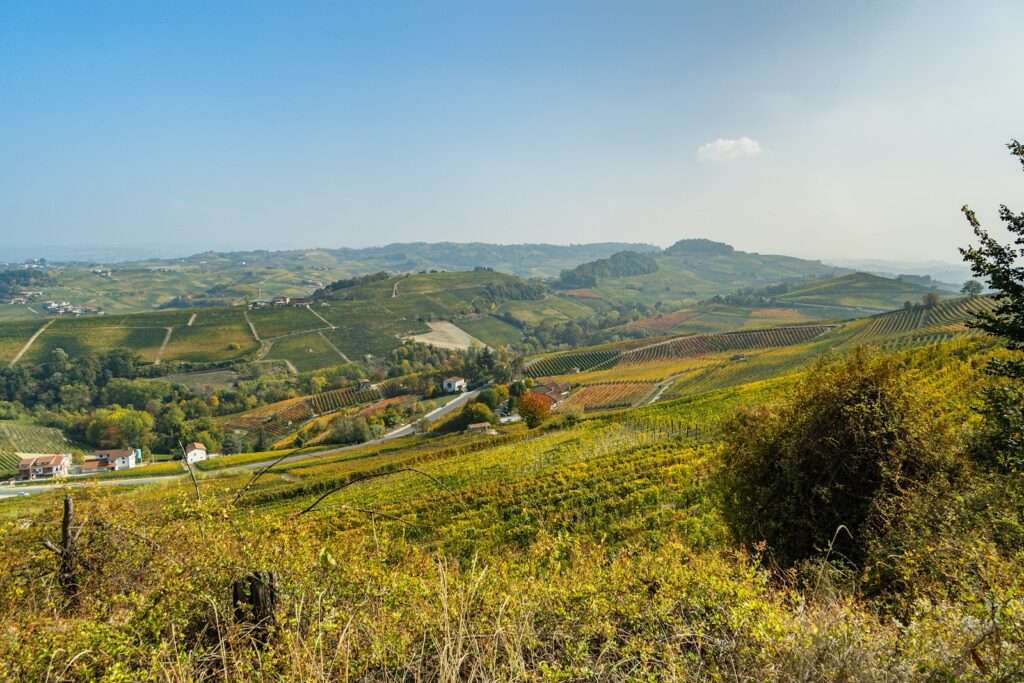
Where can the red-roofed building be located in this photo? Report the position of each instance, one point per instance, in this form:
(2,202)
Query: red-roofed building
(121,458)
(43,465)
(195,451)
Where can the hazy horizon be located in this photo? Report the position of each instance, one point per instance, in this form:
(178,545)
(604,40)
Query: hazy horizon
(819,132)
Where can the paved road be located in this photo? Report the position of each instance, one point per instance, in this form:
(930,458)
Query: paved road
(405,430)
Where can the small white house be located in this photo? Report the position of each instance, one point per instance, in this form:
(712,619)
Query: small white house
(454,385)
(194,452)
(121,458)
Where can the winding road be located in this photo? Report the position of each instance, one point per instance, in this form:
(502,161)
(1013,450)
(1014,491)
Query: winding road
(405,430)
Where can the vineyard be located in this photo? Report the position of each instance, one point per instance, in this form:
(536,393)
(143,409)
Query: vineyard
(605,396)
(674,349)
(280,419)
(23,438)
(950,315)
(387,536)
(330,401)
(565,363)
(700,344)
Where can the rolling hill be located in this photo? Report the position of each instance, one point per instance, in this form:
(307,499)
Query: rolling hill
(692,270)
(857,291)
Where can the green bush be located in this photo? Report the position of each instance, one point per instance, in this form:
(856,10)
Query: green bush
(853,434)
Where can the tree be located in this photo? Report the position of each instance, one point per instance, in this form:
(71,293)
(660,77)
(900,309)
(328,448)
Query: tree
(972,288)
(851,437)
(1001,441)
(119,427)
(476,412)
(350,430)
(489,397)
(533,408)
(135,393)
(930,300)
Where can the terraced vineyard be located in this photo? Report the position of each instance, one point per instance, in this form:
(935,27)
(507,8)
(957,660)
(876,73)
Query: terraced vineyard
(564,363)
(287,420)
(605,396)
(947,318)
(330,401)
(699,344)
(23,438)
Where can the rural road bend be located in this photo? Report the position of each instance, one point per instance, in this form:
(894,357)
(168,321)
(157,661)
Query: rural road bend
(405,430)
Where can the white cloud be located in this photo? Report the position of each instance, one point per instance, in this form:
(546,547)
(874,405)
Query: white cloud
(724,149)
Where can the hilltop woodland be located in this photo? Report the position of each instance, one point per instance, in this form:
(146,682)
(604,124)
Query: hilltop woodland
(857,517)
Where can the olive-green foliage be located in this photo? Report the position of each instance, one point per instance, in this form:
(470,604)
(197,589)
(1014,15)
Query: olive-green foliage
(852,434)
(472,413)
(349,430)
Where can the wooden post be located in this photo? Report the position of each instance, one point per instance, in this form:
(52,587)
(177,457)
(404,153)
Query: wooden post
(254,599)
(67,576)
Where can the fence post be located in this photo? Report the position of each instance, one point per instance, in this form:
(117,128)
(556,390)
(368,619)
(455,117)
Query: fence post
(67,576)
(254,599)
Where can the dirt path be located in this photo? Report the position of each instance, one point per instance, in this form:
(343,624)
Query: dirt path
(167,339)
(252,328)
(191,320)
(325,320)
(336,349)
(31,340)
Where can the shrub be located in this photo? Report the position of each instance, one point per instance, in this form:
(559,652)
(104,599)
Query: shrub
(350,430)
(853,434)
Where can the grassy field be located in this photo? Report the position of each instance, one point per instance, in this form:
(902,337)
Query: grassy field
(279,320)
(490,330)
(306,352)
(17,312)
(212,379)
(210,342)
(860,290)
(86,335)
(14,335)
(550,308)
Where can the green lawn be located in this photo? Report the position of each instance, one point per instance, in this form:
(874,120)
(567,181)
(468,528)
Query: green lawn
(279,320)
(305,351)
(490,330)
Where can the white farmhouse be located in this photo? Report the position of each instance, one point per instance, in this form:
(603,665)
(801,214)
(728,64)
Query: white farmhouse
(194,452)
(454,385)
(121,458)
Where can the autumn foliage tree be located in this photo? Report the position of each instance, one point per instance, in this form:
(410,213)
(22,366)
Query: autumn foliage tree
(534,408)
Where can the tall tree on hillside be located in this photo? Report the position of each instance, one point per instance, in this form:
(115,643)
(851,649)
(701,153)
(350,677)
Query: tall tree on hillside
(972,288)
(1002,266)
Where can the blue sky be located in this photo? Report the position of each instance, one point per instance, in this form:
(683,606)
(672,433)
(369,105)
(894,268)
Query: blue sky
(821,129)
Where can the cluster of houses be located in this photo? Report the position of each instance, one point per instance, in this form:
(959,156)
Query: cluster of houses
(277,301)
(50,465)
(67,308)
(25,297)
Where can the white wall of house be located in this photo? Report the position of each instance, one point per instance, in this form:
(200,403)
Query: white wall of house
(195,455)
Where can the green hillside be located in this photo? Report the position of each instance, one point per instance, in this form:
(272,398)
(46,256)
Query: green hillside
(225,278)
(562,549)
(693,270)
(353,320)
(857,290)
